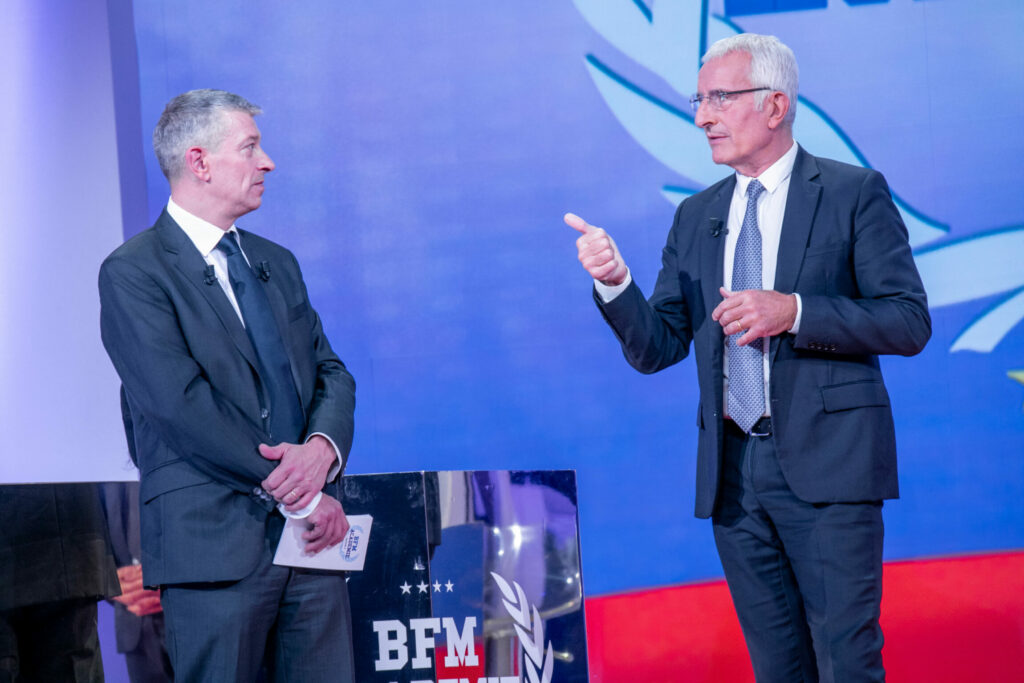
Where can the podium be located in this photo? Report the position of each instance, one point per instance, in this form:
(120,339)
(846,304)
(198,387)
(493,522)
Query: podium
(469,577)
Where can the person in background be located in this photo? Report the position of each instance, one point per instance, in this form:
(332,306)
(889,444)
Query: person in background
(55,564)
(138,617)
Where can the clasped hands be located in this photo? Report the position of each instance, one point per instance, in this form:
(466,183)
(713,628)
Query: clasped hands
(299,476)
(754,312)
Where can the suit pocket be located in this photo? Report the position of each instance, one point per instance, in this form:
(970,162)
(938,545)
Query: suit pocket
(827,248)
(862,394)
(176,474)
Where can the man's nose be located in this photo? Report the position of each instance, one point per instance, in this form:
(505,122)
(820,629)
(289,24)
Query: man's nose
(266,163)
(704,116)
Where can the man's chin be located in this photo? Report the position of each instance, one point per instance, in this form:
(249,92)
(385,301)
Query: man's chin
(720,158)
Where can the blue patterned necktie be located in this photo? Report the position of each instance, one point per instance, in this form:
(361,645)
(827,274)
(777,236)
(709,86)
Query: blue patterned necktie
(746,363)
(286,421)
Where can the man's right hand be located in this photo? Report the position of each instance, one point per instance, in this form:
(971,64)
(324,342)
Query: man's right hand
(597,252)
(328,525)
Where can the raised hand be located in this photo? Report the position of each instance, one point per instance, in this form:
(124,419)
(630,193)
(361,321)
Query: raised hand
(597,252)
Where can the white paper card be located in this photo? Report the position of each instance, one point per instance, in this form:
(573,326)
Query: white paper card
(348,555)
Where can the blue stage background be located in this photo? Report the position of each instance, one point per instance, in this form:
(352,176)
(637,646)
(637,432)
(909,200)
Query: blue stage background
(426,152)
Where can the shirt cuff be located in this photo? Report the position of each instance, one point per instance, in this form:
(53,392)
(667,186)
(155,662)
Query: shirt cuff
(336,467)
(609,292)
(304,512)
(799,313)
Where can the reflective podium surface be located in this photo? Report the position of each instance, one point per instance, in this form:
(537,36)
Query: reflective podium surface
(469,576)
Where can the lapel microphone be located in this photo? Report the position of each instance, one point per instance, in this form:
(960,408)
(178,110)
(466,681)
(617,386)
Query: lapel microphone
(263,271)
(210,276)
(716,227)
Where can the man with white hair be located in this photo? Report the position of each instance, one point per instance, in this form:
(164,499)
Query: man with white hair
(789,278)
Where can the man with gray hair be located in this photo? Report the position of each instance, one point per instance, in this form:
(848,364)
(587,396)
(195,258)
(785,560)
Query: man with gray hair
(789,278)
(239,412)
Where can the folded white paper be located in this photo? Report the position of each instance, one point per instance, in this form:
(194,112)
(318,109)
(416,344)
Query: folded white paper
(348,555)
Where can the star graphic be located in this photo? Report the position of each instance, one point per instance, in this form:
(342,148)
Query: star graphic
(422,587)
(437,586)
(1017,375)
(406,588)
(449,586)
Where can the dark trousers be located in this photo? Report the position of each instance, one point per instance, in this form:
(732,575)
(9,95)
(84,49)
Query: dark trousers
(55,641)
(148,662)
(806,579)
(295,623)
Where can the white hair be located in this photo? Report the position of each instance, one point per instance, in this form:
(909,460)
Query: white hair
(772,65)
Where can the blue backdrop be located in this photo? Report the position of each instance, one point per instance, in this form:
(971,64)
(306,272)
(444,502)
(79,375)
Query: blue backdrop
(426,152)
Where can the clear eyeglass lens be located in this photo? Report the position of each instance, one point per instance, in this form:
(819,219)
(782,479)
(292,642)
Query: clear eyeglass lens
(717,99)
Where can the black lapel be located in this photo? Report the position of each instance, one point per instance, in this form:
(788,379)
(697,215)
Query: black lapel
(801,206)
(187,259)
(712,236)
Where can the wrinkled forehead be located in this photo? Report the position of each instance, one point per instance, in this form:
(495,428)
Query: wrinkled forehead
(731,71)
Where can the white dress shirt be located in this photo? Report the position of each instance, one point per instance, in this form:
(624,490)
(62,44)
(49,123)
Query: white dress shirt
(771,208)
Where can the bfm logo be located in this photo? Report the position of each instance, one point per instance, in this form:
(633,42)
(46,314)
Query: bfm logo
(393,647)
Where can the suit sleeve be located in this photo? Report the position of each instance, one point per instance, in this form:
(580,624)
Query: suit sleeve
(332,410)
(655,333)
(148,348)
(877,304)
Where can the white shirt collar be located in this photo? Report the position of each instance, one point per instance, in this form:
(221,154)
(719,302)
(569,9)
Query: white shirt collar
(772,176)
(204,235)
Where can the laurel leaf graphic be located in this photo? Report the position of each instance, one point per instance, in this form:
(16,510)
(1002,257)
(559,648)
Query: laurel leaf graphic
(668,39)
(530,629)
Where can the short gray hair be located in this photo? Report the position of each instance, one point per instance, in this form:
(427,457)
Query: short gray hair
(772,65)
(194,119)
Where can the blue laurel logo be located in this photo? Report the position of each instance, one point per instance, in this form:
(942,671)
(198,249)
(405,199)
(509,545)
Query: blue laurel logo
(668,39)
(353,541)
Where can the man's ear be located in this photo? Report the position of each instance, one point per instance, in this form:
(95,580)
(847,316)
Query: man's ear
(777,105)
(196,163)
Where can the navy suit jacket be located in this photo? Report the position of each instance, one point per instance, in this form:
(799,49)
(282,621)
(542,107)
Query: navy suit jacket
(844,249)
(197,403)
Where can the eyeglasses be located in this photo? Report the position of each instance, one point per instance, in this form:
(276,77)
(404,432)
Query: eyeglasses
(718,99)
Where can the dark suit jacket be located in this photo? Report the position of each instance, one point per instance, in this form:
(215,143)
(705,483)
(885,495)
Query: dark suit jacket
(53,545)
(197,402)
(844,249)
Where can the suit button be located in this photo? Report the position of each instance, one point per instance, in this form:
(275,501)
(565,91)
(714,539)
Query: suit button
(264,414)
(257,491)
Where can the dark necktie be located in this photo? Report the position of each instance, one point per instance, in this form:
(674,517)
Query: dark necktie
(746,363)
(286,421)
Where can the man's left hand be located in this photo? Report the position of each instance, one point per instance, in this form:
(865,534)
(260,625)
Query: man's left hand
(327,525)
(301,473)
(755,312)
